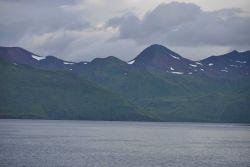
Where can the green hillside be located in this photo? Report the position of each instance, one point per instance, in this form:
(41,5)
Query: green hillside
(168,97)
(113,91)
(31,93)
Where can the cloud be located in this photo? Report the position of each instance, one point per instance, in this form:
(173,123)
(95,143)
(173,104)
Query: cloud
(86,29)
(123,49)
(185,24)
(19,19)
(70,30)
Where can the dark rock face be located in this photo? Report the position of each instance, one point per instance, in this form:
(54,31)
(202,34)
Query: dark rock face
(17,55)
(232,64)
(155,57)
(161,58)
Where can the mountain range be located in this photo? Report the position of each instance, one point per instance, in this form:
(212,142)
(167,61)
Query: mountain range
(157,85)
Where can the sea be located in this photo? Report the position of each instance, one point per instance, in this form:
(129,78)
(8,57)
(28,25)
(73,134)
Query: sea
(66,143)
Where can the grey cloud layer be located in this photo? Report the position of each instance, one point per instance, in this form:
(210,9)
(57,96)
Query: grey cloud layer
(85,29)
(35,17)
(185,24)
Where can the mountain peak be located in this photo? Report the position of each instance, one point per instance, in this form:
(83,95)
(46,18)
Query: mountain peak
(106,59)
(156,48)
(153,52)
(233,52)
(110,60)
(158,56)
(17,55)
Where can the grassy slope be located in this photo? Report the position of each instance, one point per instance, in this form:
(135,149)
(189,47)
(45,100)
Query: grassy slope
(168,97)
(205,99)
(30,93)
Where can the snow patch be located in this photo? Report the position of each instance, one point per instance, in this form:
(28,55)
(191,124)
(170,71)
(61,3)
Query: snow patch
(224,70)
(85,63)
(171,68)
(173,72)
(68,63)
(202,69)
(70,69)
(38,58)
(193,65)
(234,65)
(199,63)
(190,73)
(243,62)
(210,64)
(131,62)
(174,56)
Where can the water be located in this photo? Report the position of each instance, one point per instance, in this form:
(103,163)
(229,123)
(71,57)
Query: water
(122,144)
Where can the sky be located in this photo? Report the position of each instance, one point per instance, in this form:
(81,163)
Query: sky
(81,30)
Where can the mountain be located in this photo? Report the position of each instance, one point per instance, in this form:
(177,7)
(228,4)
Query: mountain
(158,57)
(231,64)
(158,85)
(154,58)
(21,56)
(32,93)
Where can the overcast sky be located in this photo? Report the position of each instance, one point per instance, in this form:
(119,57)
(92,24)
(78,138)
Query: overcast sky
(85,29)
